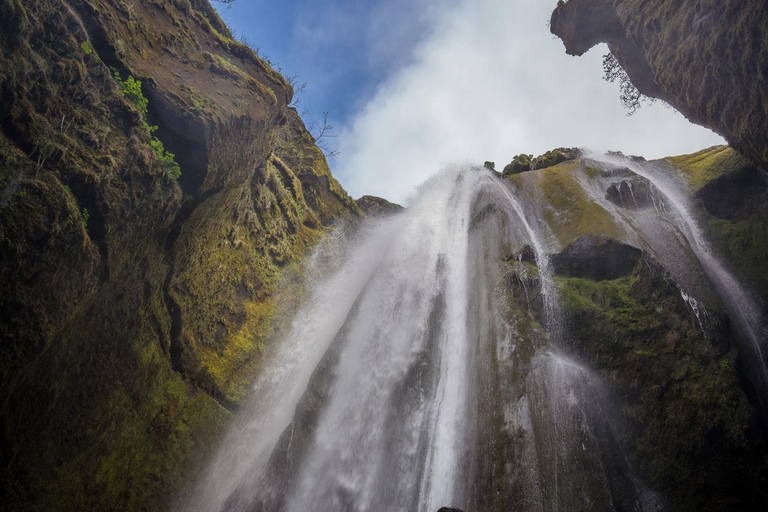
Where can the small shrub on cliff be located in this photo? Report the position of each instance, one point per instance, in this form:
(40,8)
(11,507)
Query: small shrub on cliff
(630,96)
(131,89)
(489,165)
(167,159)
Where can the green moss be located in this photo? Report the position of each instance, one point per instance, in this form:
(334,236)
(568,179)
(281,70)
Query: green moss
(569,212)
(86,48)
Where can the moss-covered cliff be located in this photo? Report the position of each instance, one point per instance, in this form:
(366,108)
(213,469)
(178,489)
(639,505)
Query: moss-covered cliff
(706,58)
(136,303)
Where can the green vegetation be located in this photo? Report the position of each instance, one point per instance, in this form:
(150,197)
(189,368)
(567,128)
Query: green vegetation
(167,159)
(489,165)
(131,89)
(86,48)
(680,387)
(569,212)
(520,163)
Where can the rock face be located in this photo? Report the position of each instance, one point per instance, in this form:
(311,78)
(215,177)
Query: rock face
(631,194)
(373,206)
(596,257)
(702,57)
(136,305)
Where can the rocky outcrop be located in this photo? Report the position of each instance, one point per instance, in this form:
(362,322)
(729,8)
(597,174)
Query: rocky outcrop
(596,257)
(632,194)
(136,303)
(554,157)
(520,163)
(702,57)
(377,207)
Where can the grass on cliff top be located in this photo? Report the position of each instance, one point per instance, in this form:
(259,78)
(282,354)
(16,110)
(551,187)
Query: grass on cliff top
(703,166)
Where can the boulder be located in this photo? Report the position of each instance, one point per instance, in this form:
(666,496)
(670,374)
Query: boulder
(632,193)
(554,157)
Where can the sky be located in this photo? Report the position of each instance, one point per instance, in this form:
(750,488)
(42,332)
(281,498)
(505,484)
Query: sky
(412,86)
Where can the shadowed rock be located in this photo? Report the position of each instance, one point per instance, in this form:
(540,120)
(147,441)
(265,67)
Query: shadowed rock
(736,196)
(596,257)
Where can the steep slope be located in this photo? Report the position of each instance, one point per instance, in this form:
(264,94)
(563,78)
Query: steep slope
(136,302)
(704,57)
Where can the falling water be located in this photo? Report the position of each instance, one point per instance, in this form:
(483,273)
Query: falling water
(378,397)
(741,306)
(406,370)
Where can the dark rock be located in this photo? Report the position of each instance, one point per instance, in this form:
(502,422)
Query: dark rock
(526,255)
(596,257)
(449,509)
(632,194)
(374,206)
(737,195)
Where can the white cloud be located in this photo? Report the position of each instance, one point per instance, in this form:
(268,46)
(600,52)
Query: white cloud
(489,82)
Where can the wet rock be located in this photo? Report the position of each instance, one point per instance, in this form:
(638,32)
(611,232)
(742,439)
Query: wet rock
(374,206)
(449,509)
(597,258)
(526,255)
(631,194)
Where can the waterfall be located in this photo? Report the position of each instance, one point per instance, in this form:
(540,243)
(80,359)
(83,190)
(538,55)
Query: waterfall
(406,383)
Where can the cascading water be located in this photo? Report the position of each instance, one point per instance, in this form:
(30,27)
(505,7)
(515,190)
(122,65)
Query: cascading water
(408,381)
(389,350)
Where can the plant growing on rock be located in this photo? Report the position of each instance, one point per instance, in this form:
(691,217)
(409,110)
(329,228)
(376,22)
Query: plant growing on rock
(630,96)
(131,89)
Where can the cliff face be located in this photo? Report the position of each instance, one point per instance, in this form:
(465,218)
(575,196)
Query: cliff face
(705,58)
(136,302)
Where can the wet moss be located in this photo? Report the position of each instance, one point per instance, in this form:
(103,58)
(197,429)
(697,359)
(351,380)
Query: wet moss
(569,212)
